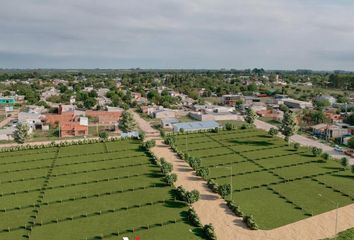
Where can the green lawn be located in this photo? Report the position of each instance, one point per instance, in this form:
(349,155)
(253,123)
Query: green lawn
(271,181)
(346,235)
(88,191)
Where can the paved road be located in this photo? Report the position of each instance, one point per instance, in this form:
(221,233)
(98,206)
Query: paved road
(305,141)
(212,209)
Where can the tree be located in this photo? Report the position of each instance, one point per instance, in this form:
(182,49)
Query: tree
(296,146)
(127,122)
(224,190)
(166,167)
(320,104)
(89,103)
(21,133)
(170,178)
(229,126)
(193,217)
(209,232)
(273,132)
(344,162)
(251,116)
(289,126)
(250,222)
(203,172)
(103,135)
(316,151)
(149,144)
(353,169)
(192,196)
(326,156)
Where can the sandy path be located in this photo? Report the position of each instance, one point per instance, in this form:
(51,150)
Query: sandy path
(212,209)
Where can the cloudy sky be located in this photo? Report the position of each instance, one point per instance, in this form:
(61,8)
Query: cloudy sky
(274,34)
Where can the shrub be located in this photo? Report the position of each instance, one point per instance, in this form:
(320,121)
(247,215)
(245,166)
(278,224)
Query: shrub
(149,144)
(194,162)
(344,162)
(316,151)
(353,169)
(170,179)
(215,130)
(297,146)
(234,208)
(193,218)
(326,156)
(103,135)
(224,190)
(229,126)
(209,232)
(249,221)
(142,135)
(203,172)
(166,167)
(192,196)
(273,132)
(213,185)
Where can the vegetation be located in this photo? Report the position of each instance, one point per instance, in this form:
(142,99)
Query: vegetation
(103,135)
(209,232)
(316,151)
(289,126)
(273,132)
(251,116)
(250,222)
(224,190)
(21,133)
(127,122)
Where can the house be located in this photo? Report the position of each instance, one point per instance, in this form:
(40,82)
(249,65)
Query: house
(328,131)
(66,108)
(231,99)
(6,134)
(215,116)
(293,103)
(276,115)
(73,129)
(168,122)
(34,120)
(195,126)
(50,93)
(164,113)
(105,117)
(334,118)
(56,119)
(7,100)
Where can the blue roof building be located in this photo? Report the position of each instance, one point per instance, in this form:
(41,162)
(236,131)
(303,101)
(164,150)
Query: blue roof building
(7,100)
(195,126)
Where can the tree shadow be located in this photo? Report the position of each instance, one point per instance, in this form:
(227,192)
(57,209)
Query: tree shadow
(250,142)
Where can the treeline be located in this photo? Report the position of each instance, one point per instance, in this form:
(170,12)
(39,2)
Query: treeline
(342,81)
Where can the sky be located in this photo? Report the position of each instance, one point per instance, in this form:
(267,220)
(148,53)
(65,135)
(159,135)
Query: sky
(208,34)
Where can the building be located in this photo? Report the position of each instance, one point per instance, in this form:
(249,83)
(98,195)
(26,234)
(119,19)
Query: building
(73,129)
(328,131)
(195,126)
(168,122)
(164,113)
(33,120)
(7,100)
(105,117)
(293,103)
(6,134)
(66,108)
(231,99)
(276,115)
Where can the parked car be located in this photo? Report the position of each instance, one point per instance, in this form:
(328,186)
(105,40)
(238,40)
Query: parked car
(338,148)
(349,153)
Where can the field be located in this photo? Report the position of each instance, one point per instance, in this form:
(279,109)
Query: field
(270,180)
(91,191)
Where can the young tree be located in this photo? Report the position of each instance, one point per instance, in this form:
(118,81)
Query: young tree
(316,151)
(251,116)
(326,156)
(344,161)
(166,167)
(352,169)
(224,190)
(192,196)
(229,126)
(273,132)
(296,146)
(170,179)
(209,232)
(127,122)
(21,133)
(250,222)
(289,126)
(203,172)
(103,135)
(149,144)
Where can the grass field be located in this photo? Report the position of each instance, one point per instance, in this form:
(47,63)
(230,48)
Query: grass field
(91,191)
(271,181)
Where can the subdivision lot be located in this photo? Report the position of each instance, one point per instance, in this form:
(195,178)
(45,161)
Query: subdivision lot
(272,181)
(96,190)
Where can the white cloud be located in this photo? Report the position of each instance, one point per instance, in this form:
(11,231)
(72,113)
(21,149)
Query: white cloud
(315,34)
